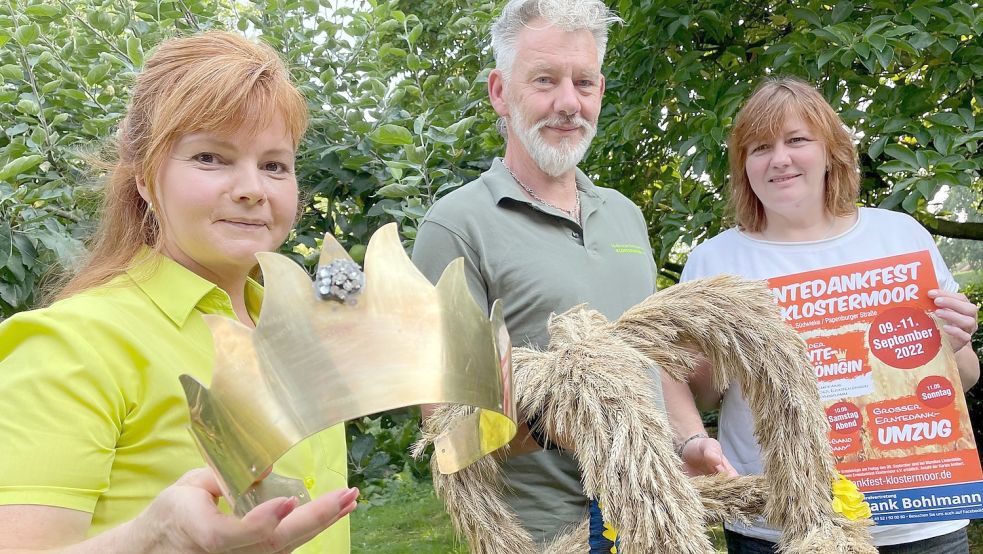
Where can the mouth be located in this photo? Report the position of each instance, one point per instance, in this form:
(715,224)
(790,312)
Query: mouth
(564,129)
(784,178)
(245,223)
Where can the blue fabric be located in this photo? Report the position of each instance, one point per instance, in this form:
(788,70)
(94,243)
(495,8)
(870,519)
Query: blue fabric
(742,544)
(599,544)
(956,542)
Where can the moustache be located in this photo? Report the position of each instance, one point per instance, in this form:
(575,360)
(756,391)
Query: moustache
(561,121)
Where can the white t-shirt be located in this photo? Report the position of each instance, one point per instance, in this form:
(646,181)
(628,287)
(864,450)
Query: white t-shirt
(877,234)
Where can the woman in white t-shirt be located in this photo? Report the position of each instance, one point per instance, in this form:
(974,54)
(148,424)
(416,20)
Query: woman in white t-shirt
(793,189)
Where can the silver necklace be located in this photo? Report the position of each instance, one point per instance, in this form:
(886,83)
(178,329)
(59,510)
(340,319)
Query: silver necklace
(572,213)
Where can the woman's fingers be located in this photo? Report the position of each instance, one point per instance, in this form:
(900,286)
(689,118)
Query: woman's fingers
(954,301)
(958,314)
(312,518)
(202,478)
(194,523)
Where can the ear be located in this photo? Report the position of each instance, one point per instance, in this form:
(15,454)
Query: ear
(496,92)
(144,190)
(602,84)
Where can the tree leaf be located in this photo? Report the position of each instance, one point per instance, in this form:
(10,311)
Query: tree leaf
(97,73)
(910,203)
(921,40)
(894,199)
(29,107)
(902,153)
(17,129)
(134,49)
(877,148)
(876,26)
(877,42)
(807,15)
(927,188)
(414,34)
(17,269)
(12,72)
(968,118)
(19,166)
(6,243)
(42,10)
(894,166)
(437,134)
(900,30)
(391,134)
(825,56)
(25,246)
(25,35)
(943,143)
(921,13)
(885,56)
(462,126)
(958,28)
(945,118)
(842,10)
(397,190)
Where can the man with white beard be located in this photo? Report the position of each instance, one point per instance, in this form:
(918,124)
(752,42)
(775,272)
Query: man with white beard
(534,231)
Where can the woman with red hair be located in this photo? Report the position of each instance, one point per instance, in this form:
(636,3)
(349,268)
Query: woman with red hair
(97,456)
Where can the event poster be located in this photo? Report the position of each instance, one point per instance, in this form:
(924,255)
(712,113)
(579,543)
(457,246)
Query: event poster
(900,427)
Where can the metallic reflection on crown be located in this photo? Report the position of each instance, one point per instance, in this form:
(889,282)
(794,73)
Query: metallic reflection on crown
(312,363)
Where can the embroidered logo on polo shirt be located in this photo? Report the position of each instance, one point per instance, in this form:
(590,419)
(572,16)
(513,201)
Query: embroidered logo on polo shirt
(628,249)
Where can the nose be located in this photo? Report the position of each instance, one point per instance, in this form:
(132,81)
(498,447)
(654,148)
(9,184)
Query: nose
(567,102)
(780,155)
(249,186)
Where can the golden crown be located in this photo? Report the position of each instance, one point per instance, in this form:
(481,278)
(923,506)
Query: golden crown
(345,347)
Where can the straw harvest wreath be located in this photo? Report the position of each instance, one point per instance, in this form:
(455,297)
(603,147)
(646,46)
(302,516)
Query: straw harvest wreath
(591,390)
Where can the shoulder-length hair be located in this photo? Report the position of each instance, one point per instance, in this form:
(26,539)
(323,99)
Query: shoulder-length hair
(211,82)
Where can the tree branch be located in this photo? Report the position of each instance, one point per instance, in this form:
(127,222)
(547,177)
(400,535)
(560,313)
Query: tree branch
(952,229)
(671,270)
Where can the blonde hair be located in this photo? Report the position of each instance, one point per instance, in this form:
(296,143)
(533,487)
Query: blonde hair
(214,82)
(763,118)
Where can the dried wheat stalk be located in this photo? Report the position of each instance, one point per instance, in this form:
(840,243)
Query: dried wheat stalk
(592,390)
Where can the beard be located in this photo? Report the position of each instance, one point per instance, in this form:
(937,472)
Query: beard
(552,160)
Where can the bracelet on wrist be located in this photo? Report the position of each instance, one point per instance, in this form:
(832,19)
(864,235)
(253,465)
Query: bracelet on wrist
(682,445)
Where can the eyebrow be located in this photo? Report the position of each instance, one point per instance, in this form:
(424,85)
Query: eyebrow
(541,67)
(211,139)
(547,68)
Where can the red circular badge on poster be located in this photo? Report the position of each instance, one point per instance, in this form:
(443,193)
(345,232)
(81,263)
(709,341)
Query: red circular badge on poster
(844,418)
(935,392)
(905,338)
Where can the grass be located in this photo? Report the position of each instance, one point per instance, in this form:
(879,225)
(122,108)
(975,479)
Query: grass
(970,277)
(409,518)
(976,536)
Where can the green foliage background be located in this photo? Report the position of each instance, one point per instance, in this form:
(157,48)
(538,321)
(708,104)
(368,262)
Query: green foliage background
(399,117)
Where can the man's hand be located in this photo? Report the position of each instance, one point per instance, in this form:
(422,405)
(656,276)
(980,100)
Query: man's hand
(703,456)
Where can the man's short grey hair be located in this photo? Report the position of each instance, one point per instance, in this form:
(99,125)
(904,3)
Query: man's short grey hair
(569,15)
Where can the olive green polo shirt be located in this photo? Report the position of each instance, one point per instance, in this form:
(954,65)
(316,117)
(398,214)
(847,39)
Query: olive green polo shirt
(539,261)
(94,416)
